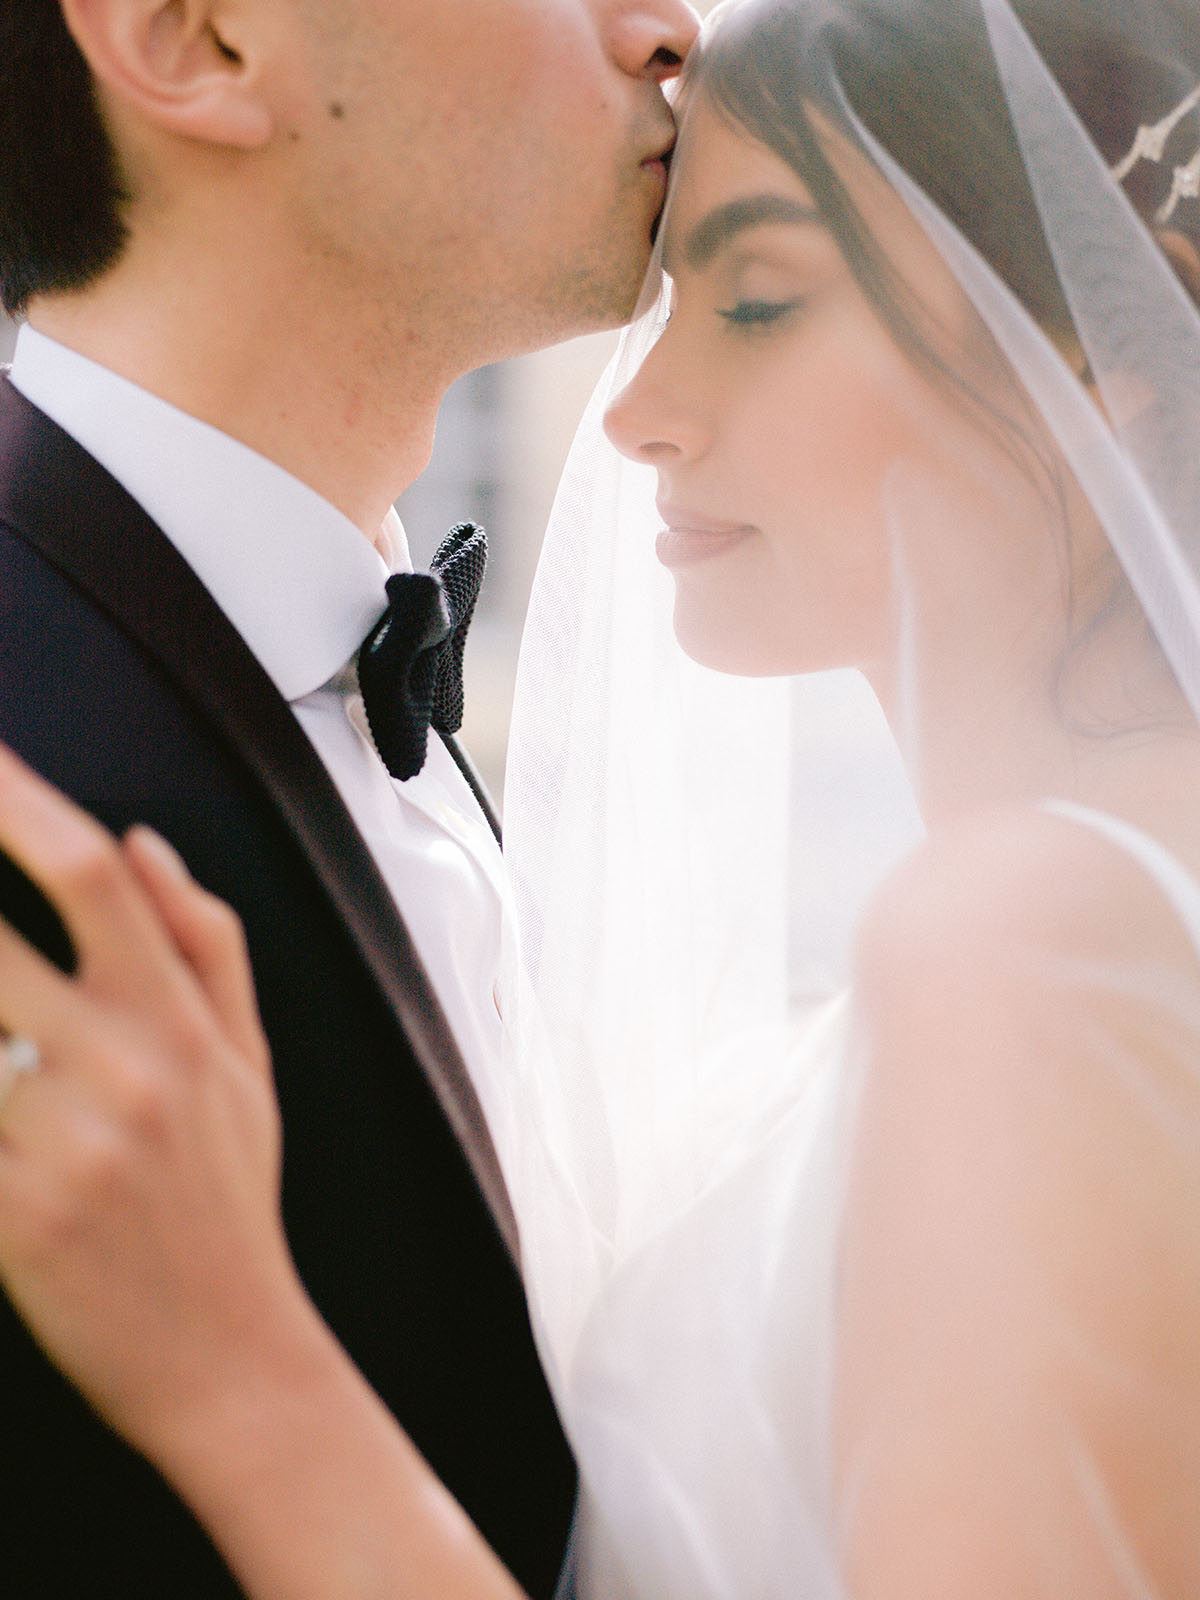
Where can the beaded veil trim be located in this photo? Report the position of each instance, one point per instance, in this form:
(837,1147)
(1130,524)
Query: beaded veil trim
(1149,145)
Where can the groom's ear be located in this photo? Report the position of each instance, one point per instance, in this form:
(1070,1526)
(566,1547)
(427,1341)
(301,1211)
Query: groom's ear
(194,68)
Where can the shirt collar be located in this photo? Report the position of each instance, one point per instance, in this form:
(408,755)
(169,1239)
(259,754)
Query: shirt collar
(296,578)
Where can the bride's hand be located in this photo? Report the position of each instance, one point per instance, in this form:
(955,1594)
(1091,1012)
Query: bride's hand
(139,1162)
(140,1232)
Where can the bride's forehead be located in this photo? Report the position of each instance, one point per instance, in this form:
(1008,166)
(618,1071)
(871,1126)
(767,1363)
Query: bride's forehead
(727,182)
(718,161)
(714,149)
(721,167)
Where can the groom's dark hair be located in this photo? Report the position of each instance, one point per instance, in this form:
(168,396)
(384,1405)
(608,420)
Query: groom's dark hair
(60,185)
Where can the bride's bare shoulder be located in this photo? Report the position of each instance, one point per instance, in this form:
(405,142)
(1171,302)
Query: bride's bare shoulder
(1021,1224)
(1010,903)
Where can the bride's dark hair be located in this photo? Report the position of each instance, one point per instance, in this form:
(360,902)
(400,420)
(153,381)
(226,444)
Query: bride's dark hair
(920,76)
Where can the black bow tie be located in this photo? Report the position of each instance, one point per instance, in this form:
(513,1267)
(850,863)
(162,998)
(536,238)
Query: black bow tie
(410,666)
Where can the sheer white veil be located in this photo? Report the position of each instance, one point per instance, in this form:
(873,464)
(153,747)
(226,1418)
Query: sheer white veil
(692,850)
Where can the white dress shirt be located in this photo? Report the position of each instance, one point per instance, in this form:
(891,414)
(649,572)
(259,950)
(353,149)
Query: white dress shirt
(302,586)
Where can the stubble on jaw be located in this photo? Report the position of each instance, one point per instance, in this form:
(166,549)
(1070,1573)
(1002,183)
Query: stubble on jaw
(439,257)
(591,294)
(592,284)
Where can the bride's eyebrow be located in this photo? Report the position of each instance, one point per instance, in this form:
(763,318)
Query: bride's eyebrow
(723,223)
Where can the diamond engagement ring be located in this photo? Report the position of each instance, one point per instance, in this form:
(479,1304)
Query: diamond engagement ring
(18,1055)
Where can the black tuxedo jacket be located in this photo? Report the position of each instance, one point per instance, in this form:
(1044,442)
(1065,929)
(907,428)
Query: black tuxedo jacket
(122,681)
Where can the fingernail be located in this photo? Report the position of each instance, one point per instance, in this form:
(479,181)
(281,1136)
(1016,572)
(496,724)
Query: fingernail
(156,847)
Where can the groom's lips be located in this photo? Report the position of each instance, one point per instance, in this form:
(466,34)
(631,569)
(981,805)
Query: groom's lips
(688,537)
(658,165)
(662,156)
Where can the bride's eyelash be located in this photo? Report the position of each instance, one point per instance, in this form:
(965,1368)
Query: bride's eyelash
(750,313)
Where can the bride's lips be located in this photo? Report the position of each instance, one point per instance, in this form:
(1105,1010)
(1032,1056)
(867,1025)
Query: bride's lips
(688,537)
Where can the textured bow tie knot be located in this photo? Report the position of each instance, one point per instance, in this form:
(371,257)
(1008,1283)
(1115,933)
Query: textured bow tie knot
(410,665)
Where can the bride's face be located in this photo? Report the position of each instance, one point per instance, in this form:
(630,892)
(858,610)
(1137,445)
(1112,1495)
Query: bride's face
(783,419)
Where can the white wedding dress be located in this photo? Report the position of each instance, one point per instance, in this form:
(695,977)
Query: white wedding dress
(698,1391)
(698,1388)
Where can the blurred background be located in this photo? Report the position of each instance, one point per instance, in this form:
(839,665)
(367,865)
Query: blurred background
(503,434)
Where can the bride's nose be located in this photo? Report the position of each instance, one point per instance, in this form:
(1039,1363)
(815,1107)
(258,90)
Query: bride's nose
(653,422)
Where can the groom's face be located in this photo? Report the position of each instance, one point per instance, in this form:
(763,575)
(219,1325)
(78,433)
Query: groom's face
(496,162)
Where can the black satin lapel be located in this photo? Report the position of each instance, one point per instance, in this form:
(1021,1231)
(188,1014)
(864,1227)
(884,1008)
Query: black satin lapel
(80,519)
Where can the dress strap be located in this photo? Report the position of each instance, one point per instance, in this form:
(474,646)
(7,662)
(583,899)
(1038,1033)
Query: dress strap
(1178,885)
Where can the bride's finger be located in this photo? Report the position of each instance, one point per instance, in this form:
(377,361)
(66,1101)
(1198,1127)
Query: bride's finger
(48,1123)
(45,1132)
(120,1067)
(208,935)
(36,1001)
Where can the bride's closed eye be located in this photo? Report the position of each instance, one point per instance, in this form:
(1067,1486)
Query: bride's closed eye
(759,286)
(755,312)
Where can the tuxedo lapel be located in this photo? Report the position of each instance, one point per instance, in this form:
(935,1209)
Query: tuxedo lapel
(82,521)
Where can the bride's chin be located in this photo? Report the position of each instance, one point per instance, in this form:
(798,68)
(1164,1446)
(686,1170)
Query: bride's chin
(732,649)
